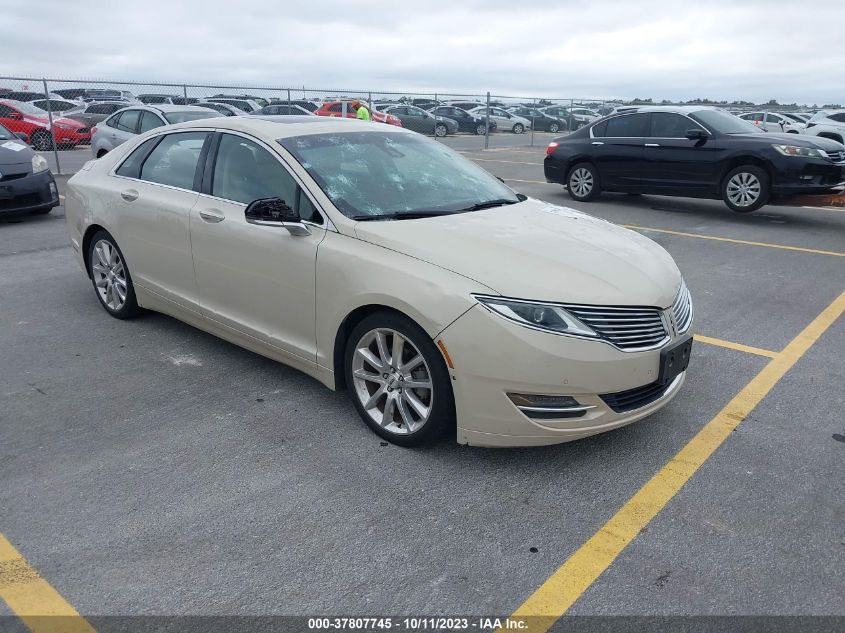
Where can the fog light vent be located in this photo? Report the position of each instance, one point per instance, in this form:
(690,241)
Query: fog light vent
(548,407)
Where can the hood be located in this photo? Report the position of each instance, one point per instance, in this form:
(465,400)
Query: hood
(796,140)
(535,250)
(15,152)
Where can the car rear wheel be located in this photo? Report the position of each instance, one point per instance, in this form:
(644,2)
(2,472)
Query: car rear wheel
(41,141)
(440,130)
(554,127)
(518,128)
(583,182)
(745,189)
(110,276)
(398,380)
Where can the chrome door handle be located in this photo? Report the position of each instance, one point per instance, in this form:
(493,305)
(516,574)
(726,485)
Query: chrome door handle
(130,195)
(652,144)
(212,215)
(597,143)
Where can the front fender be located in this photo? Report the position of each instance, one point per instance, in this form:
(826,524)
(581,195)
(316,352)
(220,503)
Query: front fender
(352,273)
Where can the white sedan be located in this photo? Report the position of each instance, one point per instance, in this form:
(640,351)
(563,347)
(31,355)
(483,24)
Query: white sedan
(384,263)
(504,120)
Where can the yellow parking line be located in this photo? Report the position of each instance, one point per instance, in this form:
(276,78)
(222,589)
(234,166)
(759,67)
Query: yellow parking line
(574,577)
(733,241)
(737,346)
(32,599)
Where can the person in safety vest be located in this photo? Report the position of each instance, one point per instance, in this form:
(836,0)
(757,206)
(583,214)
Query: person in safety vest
(362,113)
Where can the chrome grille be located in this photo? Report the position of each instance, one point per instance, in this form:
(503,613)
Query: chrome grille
(628,329)
(682,309)
(836,156)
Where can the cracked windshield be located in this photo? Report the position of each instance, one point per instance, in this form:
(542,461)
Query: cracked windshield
(371,176)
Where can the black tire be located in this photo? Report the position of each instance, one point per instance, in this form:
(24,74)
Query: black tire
(41,140)
(581,193)
(746,174)
(554,127)
(441,418)
(130,307)
(440,130)
(480,129)
(518,128)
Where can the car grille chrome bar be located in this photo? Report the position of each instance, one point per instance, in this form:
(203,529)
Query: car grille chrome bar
(836,156)
(629,329)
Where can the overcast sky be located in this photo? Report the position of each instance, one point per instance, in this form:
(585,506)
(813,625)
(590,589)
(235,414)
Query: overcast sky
(674,49)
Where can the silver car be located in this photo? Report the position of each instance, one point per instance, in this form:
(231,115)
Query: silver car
(128,122)
(223,108)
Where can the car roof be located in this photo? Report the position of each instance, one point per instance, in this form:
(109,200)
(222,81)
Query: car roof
(284,126)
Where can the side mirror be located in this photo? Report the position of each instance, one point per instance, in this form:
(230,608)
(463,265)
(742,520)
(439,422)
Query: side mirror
(275,212)
(696,135)
(22,136)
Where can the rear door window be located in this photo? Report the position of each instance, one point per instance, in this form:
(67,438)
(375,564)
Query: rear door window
(627,126)
(174,160)
(128,121)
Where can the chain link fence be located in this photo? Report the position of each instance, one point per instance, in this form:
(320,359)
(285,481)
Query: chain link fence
(58,115)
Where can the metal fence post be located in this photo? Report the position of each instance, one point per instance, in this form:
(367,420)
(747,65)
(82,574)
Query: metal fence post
(571,105)
(185,93)
(533,118)
(487,123)
(52,132)
(288,100)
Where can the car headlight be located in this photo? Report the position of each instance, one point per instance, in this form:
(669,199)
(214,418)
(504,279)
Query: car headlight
(541,316)
(803,152)
(39,164)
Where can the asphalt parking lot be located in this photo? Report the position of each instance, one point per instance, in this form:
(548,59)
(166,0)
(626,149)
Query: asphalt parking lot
(149,468)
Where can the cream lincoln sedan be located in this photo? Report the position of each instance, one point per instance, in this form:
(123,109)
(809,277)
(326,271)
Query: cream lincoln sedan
(384,263)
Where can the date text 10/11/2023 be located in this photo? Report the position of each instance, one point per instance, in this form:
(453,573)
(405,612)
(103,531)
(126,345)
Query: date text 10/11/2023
(418,624)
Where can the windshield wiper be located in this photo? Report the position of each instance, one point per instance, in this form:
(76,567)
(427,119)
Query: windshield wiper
(489,204)
(410,215)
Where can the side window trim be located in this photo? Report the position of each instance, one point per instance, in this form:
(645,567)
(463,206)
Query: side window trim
(211,163)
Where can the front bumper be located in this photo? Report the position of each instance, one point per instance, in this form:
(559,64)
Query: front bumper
(797,176)
(72,136)
(32,192)
(493,357)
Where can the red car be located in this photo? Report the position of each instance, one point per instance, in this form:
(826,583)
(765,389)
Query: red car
(335,108)
(20,117)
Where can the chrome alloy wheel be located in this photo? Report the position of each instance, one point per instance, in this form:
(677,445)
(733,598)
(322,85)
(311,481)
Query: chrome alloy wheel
(392,381)
(109,275)
(581,182)
(743,189)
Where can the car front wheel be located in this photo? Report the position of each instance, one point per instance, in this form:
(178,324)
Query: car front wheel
(480,129)
(398,380)
(111,278)
(440,130)
(745,189)
(518,128)
(554,127)
(583,182)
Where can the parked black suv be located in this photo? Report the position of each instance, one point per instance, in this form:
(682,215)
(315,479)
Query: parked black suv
(695,152)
